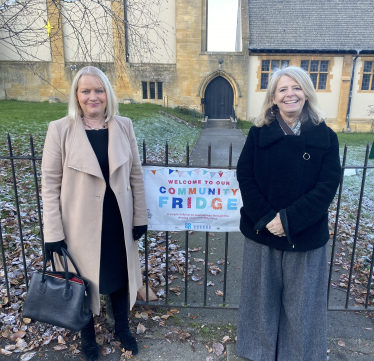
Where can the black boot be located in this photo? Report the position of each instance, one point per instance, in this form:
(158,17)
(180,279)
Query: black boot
(122,330)
(120,304)
(88,341)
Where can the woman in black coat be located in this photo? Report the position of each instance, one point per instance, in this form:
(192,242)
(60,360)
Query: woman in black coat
(288,174)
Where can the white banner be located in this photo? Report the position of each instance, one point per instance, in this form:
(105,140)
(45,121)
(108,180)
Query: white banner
(197,199)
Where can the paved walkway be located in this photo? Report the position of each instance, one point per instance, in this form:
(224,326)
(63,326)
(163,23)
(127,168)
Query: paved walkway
(350,335)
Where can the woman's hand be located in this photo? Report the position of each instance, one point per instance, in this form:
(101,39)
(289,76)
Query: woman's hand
(138,231)
(51,247)
(276,227)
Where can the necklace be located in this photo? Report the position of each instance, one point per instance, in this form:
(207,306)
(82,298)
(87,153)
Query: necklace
(89,126)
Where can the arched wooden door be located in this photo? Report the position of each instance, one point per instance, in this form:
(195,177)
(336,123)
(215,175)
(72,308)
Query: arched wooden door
(219,99)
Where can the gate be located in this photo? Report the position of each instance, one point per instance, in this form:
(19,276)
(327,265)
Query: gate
(219,98)
(351,249)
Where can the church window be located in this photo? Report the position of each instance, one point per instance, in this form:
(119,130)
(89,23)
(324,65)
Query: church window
(367,76)
(159,90)
(318,71)
(152,90)
(268,66)
(223,21)
(145,90)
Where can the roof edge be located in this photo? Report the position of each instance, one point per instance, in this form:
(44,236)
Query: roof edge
(319,51)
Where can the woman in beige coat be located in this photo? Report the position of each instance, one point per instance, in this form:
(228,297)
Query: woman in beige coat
(94,201)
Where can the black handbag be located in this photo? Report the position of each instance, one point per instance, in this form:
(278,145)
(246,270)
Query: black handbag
(59,298)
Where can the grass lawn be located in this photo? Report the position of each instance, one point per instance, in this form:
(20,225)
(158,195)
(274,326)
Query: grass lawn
(244,126)
(23,118)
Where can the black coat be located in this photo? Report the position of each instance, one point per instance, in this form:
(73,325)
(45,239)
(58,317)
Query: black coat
(296,176)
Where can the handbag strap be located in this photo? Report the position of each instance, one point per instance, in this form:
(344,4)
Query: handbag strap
(65,254)
(286,128)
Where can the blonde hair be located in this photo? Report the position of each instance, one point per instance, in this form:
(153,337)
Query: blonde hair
(74,109)
(311,108)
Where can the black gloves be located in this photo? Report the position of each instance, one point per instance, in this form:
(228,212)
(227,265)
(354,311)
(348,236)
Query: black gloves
(54,247)
(138,231)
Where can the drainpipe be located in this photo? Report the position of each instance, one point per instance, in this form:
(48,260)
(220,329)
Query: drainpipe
(350,91)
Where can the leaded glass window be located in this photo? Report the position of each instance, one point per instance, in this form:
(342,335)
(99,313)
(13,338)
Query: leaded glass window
(318,71)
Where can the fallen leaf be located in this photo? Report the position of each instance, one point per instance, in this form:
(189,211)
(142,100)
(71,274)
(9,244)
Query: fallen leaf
(209,358)
(174,310)
(218,348)
(60,340)
(10,347)
(21,344)
(115,344)
(18,334)
(341,343)
(47,340)
(225,339)
(106,350)
(60,347)
(219,293)
(126,355)
(165,317)
(211,234)
(100,339)
(5,352)
(27,356)
(73,347)
(183,336)
(140,329)
(26,320)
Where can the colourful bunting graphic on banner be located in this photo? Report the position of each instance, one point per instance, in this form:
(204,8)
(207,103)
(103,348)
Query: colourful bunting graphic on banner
(171,171)
(212,174)
(220,173)
(197,171)
(189,173)
(180,174)
(162,171)
(234,173)
(153,171)
(205,172)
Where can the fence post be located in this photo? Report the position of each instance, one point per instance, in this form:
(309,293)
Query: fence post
(18,210)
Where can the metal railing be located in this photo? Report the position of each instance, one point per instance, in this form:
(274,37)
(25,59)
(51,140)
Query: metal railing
(168,101)
(167,302)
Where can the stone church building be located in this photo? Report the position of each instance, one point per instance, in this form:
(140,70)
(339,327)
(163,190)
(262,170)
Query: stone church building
(333,40)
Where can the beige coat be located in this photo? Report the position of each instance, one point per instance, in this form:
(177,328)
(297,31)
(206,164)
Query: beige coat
(73,189)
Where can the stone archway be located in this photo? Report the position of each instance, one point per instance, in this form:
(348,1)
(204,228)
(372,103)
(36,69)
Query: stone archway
(227,76)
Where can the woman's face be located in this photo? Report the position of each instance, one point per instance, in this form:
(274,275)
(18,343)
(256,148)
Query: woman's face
(289,97)
(91,96)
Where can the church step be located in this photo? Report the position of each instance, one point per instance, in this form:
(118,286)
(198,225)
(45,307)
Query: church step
(219,123)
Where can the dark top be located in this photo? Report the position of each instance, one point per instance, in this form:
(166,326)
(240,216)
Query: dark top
(113,262)
(296,176)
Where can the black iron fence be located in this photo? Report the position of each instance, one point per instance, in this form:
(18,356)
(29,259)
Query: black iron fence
(350,287)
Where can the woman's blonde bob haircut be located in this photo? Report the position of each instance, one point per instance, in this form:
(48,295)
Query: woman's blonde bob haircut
(311,108)
(74,109)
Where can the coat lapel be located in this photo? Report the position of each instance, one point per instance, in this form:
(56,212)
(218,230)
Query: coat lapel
(118,150)
(82,156)
(270,134)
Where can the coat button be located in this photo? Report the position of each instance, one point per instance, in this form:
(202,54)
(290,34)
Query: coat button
(128,188)
(306,156)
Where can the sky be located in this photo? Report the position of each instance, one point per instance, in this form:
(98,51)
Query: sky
(222,18)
